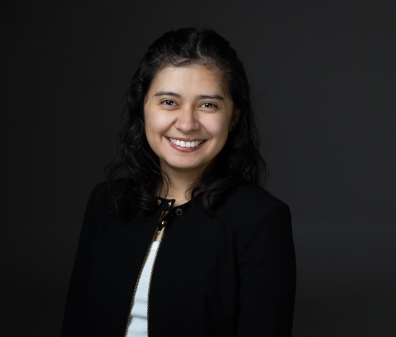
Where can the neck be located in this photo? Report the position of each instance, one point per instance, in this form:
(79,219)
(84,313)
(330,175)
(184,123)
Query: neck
(178,184)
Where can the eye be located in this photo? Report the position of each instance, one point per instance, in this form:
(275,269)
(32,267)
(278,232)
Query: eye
(209,105)
(168,102)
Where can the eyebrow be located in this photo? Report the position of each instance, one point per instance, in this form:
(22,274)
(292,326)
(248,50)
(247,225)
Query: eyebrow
(221,98)
(169,93)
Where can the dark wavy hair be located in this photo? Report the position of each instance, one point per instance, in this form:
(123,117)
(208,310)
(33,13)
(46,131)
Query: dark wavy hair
(134,175)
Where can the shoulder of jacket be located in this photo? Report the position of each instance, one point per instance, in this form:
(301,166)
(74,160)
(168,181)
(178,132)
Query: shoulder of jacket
(251,196)
(249,206)
(100,189)
(101,198)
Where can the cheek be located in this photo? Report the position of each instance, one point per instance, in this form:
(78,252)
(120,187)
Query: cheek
(218,128)
(150,129)
(153,124)
(156,127)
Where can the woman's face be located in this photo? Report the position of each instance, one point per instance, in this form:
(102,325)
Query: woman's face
(187,117)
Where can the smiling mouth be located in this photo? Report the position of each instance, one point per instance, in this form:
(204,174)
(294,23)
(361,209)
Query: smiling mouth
(186,144)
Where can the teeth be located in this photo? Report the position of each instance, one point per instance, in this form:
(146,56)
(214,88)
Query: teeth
(182,143)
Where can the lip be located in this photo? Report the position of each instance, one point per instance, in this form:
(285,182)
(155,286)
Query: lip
(186,149)
(187,139)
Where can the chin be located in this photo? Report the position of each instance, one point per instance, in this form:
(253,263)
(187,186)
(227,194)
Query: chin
(185,166)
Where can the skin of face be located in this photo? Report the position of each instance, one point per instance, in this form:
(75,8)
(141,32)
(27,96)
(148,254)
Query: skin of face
(188,104)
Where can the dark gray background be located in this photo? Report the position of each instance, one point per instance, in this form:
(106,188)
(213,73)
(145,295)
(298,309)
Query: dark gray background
(323,74)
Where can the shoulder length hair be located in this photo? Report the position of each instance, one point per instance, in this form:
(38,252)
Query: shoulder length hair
(134,175)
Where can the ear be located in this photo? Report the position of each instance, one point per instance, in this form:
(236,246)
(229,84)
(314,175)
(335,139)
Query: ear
(235,117)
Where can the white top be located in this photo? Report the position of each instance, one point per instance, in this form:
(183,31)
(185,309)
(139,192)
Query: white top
(138,322)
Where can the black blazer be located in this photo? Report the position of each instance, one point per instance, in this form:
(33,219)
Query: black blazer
(232,274)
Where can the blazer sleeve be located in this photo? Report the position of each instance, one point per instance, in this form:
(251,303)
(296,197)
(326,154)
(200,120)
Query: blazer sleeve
(72,320)
(267,273)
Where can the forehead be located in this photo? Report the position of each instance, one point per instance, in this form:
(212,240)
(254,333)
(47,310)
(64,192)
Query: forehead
(195,77)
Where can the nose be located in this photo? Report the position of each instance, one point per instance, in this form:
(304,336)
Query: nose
(187,120)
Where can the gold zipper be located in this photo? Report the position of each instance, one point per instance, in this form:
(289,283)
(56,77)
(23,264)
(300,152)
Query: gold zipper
(151,274)
(158,229)
(137,282)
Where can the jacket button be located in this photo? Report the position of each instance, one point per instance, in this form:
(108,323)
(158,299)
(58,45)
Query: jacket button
(170,203)
(179,211)
(162,225)
(159,202)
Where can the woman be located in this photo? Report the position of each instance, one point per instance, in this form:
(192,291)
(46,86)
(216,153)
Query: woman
(182,241)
